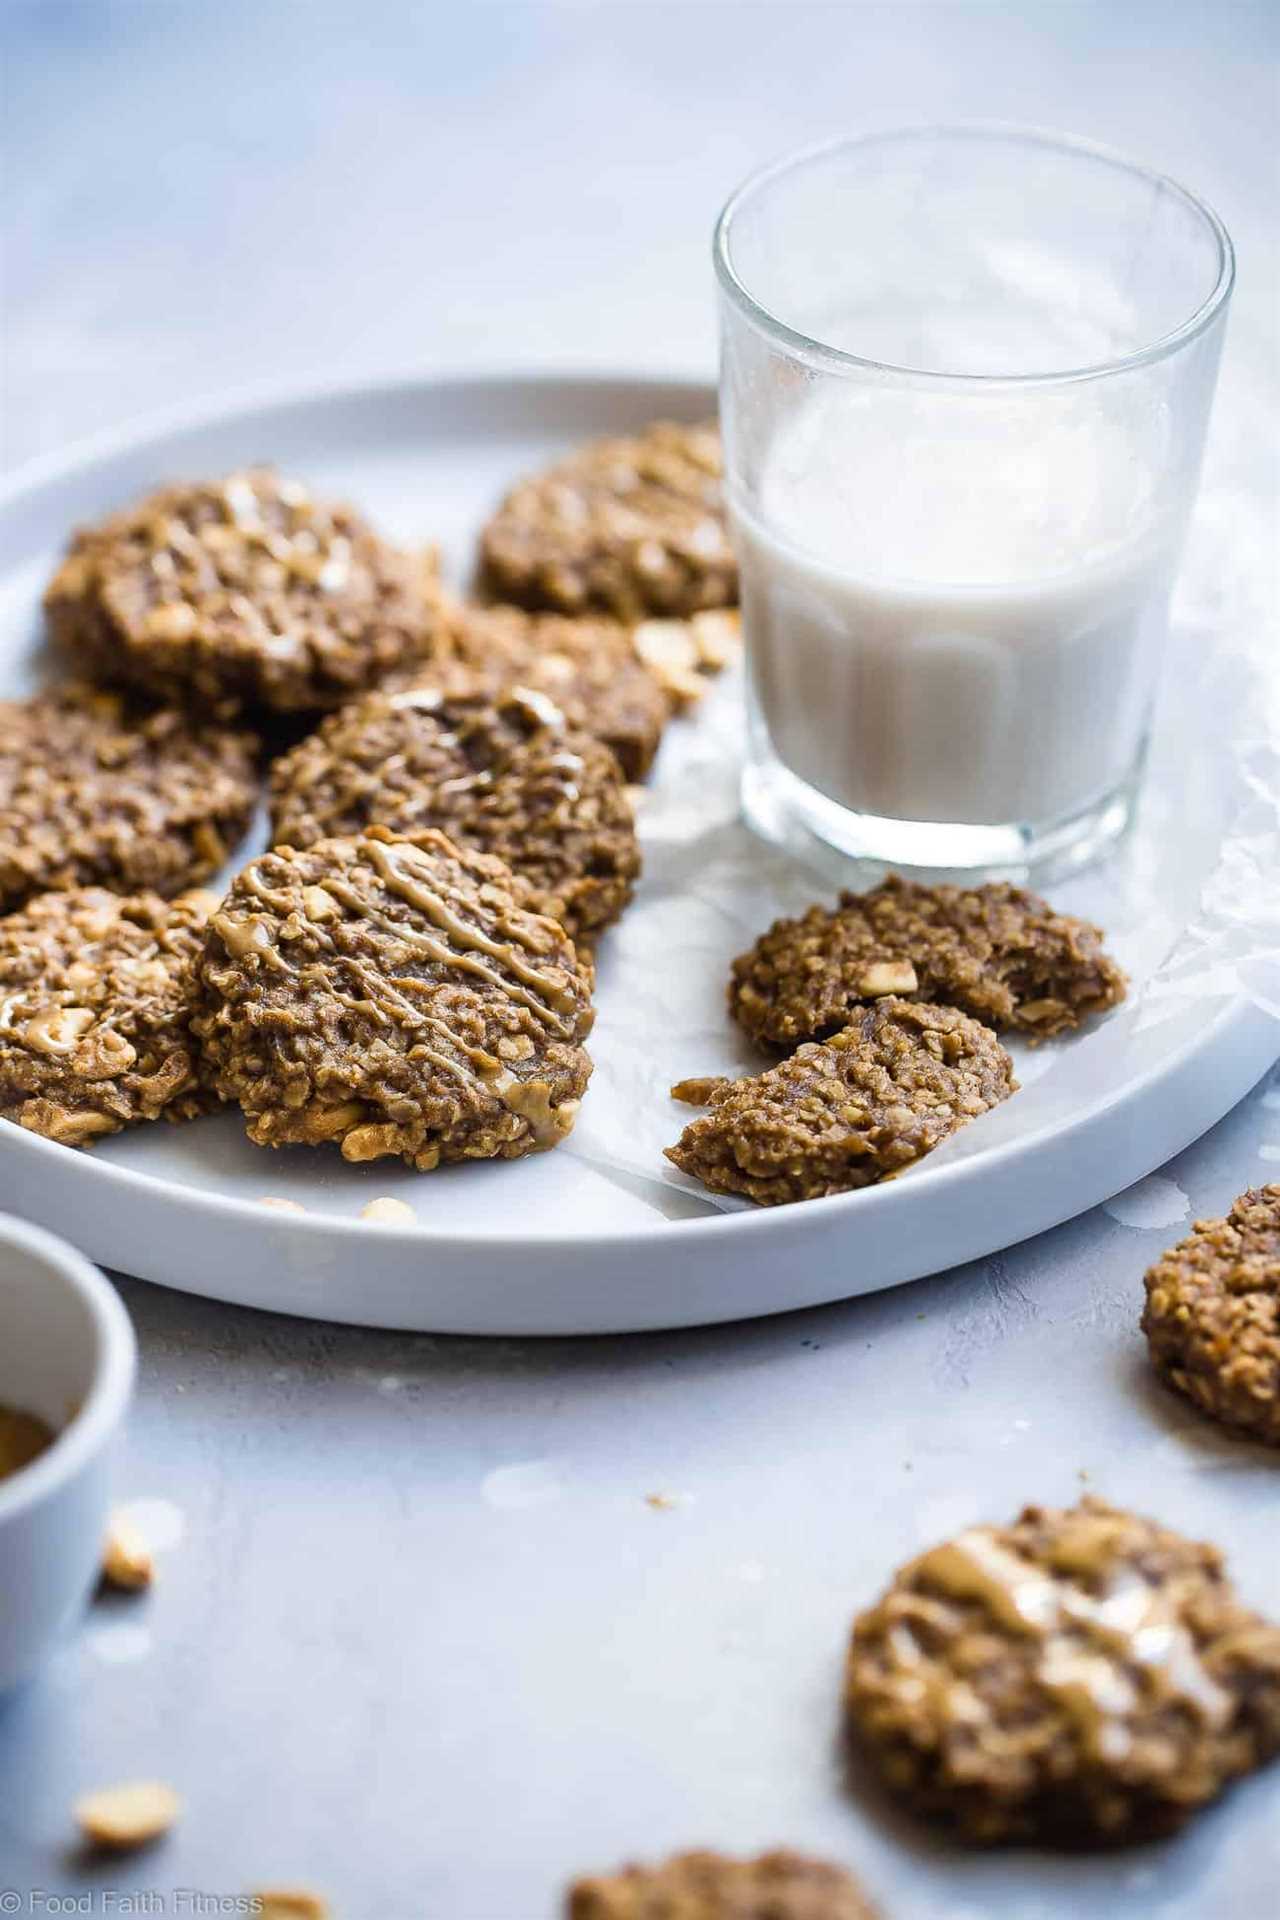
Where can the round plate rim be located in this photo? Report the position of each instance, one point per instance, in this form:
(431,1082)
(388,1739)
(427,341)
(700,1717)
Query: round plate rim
(1003,1158)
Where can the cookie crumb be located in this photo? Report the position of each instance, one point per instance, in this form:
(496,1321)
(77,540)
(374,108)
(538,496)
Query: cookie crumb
(122,1818)
(281,1205)
(717,638)
(662,1502)
(126,1559)
(668,649)
(390,1212)
(289,1903)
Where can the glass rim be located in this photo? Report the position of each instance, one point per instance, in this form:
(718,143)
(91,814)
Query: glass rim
(838,359)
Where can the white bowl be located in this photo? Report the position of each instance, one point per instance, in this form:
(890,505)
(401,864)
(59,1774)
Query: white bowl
(67,1353)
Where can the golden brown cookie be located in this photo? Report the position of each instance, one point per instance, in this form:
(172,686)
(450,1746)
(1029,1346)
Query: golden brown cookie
(506,776)
(873,1099)
(1212,1317)
(630,527)
(96,995)
(393,996)
(709,1886)
(996,951)
(588,667)
(97,791)
(244,593)
(1082,1677)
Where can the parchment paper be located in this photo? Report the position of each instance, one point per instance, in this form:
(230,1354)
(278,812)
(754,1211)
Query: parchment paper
(1190,903)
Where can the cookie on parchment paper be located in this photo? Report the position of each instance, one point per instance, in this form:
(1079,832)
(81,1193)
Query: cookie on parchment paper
(997,952)
(843,1114)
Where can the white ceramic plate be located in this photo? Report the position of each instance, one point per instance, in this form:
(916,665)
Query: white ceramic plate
(592,1238)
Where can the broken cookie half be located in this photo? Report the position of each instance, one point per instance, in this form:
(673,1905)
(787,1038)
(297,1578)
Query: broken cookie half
(997,952)
(850,1111)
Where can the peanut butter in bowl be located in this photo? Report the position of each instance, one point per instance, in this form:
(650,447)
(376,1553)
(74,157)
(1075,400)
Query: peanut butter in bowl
(23,1438)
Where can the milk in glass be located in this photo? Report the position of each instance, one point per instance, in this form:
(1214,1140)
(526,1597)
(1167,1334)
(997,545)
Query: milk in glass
(954,601)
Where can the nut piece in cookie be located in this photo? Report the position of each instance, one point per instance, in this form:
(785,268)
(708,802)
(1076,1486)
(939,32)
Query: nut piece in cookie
(394,996)
(996,951)
(588,667)
(246,592)
(630,527)
(873,1099)
(95,791)
(1212,1317)
(1081,1677)
(680,653)
(505,776)
(96,993)
(709,1886)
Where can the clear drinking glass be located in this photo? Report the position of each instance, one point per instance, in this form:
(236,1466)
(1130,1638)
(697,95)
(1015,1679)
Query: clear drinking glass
(965,379)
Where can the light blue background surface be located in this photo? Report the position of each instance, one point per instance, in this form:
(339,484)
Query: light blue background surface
(360,1670)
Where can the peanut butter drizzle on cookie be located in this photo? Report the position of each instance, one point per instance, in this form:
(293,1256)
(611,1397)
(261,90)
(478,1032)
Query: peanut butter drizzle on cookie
(485,1070)
(244,938)
(529,1100)
(479,1070)
(1088,1640)
(447,956)
(414,888)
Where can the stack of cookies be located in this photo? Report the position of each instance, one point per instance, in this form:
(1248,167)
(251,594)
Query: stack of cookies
(409,970)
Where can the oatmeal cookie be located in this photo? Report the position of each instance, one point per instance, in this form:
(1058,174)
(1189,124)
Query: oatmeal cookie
(588,667)
(862,1106)
(393,995)
(96,791)
(1083,1676)
(998,952)
(96,994)
(505,776)
(708,1886)
(626,526)
(243,593)
(1212,1317)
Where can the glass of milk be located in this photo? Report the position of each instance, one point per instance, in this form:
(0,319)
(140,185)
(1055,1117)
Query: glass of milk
(965,379)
